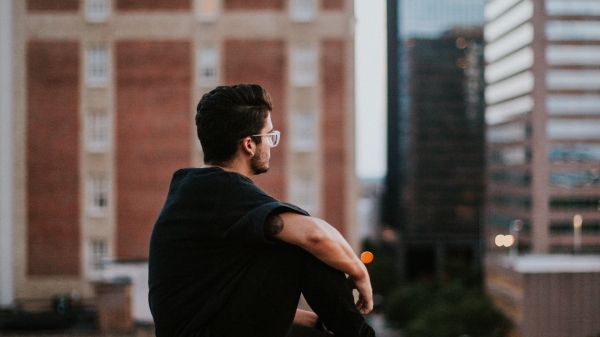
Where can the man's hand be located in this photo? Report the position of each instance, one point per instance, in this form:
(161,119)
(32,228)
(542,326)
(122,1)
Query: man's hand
(327,244)
(365,294)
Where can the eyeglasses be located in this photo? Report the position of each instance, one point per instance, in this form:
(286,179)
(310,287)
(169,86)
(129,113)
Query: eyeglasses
(273,137)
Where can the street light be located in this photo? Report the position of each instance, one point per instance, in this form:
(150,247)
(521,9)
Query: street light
(577,222)
(515,228)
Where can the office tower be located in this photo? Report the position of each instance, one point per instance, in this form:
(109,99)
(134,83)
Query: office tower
(434,186)
(543,178)
(103,114)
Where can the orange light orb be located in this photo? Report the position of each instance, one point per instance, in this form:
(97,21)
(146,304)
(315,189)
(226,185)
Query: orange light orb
(366,257)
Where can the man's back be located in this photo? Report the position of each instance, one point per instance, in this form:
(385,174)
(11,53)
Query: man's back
(204,240)
(227,259)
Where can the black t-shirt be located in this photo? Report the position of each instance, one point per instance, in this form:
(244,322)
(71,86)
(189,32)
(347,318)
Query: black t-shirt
(208,233)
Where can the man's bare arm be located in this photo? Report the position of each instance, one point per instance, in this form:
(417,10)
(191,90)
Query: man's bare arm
(324,242)
(305,318)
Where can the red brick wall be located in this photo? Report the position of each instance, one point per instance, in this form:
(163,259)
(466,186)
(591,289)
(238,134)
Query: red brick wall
(254,4)
(134,5)
(263,62)
(153,134)
(52,5)
(332,4)
(334,122)
(52,158)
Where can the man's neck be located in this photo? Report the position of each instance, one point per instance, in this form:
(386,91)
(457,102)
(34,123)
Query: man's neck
(234,166)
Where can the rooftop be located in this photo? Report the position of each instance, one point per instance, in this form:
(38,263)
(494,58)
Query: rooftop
(553,263)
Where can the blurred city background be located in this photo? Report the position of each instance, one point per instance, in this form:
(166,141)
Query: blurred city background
(456,140)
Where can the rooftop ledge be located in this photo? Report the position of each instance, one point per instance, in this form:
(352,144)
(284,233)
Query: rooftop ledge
(553,263)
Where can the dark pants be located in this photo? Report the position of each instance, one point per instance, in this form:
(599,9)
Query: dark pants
(265,302)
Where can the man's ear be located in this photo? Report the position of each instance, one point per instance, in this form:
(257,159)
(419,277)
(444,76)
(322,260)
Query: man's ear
(248,146)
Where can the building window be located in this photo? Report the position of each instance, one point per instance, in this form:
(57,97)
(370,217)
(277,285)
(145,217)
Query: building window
(97,195)
(510,65)
(304,66)
(573,30)
(519,178)
(494,9)
(514,155)
(509,88)
(573,104)
(98,254)
(207,65)
(584,153)
(566,227)
(505,111)
(508,133)
(573,79)
(509,43)
(509,21)
(303,190)
(97,10)
(97,131)
(303,131)
(510,201)
(97,66)
(575,178)
(573,55)
(303,10)
(207,10)
(504,221)
(591,203)
(572,8)
(573,129)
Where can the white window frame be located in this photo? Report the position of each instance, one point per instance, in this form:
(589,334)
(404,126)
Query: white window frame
(98,195)
(97,62)
(303,10)
(204,61)
(304,66)
(304,191)
(98,253)
(303,127)
(97,131)
(204,16)
(97,11)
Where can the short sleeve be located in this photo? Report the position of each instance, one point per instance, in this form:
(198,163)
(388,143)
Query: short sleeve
(250,228)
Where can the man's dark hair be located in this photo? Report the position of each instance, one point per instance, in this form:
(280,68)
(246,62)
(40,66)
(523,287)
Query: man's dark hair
(228,114)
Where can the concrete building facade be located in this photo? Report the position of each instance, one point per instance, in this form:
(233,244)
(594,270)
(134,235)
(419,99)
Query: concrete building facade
(543,147)
(103,100)
(543,123)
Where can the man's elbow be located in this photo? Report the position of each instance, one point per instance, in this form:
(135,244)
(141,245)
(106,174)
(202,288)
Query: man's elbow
(318,237)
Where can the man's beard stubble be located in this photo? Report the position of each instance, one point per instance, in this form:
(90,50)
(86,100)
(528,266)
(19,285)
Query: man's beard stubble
(259,163)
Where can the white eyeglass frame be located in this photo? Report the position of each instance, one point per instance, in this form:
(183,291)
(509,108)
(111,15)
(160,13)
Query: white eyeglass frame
(274,137)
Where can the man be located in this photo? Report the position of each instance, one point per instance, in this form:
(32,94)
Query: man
(227,259)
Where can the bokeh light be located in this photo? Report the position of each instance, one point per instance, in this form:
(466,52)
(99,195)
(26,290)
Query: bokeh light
(388,235)
(366,257)
(504,240)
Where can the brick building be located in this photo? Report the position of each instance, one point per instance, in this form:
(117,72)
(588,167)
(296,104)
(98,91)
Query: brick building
(103,100)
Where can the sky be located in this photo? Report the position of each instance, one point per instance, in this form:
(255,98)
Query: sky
(371,88)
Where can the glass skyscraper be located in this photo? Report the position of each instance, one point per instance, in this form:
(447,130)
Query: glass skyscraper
(434,186)
(432,18)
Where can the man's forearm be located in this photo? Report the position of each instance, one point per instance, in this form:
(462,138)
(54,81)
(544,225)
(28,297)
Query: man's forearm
(324,242)
(327,244)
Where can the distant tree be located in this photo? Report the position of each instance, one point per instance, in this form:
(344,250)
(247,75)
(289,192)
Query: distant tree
(445,310)
(383,269)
